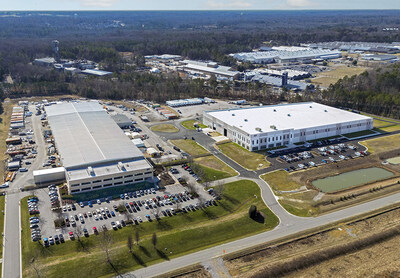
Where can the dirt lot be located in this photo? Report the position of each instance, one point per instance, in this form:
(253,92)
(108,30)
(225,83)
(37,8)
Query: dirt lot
(362,249)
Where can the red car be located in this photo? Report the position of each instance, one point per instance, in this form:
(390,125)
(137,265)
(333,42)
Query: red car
(95,230)
(71,235)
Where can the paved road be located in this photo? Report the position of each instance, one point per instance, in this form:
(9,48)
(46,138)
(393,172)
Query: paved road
(11,252)
(289,224)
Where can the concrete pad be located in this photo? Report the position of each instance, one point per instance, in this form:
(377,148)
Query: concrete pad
(220,138)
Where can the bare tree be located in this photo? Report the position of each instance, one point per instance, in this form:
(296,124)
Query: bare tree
(178,206)
(105,244)
(154,240)
(130,243)
(156,212)
(137,237)
(35,264)
(78,233)
(219,190)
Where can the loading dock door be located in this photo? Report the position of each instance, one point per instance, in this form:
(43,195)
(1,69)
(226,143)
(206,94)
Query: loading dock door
(225,132)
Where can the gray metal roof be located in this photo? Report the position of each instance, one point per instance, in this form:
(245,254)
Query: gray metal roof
(86,135)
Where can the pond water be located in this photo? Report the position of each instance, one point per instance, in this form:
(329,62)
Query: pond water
(349,179)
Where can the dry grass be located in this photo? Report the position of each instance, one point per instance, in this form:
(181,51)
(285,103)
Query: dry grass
(382,144)
(214,163)
(368,248)
(390,128)
(249,160)
(4,127)
(168,128)
(189,146)
(330,77)
(280,181)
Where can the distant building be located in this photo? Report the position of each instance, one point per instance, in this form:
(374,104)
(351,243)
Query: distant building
(44,62)
(377,57)
(96,72)
(287,55)
(209,68)
(264,127)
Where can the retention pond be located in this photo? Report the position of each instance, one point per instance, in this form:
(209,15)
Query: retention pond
(350,179)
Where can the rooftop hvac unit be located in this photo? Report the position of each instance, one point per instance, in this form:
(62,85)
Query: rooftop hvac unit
(273,127)
(121,166)
(233,114)
(245,120)
(91,171)
(258,129)
(274,110)
(310,106)
(326,110)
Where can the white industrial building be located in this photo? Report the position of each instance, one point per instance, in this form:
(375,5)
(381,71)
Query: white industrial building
(94,151)
(264,127)
(209,68)
(287,56)
(48,176)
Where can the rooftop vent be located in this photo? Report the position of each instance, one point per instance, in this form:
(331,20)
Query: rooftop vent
(274,110)
(258,129)
(310,106)
(245,120)
(288,115)
(233,114)
(325,110)
(121,166)
(273,127)
(91,171)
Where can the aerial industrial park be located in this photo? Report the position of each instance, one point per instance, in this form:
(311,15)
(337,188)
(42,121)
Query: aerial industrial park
(200,144)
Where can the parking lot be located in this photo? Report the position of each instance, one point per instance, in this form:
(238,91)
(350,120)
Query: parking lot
(148,205)
(317,154)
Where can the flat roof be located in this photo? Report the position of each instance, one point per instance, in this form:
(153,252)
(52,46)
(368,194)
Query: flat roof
(48,171)
(109,169)
(86,135)
(96,72)
(302,115)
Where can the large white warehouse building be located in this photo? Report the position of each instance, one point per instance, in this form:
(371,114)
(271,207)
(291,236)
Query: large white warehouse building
(94,151)
(264,127)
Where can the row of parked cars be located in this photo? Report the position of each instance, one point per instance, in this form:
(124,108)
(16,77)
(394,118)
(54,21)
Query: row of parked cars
(189,169)
(53,195)
(57,239)
(296,156)
(34,220)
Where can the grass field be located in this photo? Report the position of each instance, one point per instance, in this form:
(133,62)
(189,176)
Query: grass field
(213,168)
(190,146)
(330,77)
(382,119)
(382,144)
(280,181)
(249,160)
(390,128)
(2,204)
(4,127)
(168,128)
(178,235)
(359,134)
(297,203)
(189,124)
(380,123)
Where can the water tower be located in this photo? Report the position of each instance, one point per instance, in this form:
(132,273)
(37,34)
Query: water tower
(55,48)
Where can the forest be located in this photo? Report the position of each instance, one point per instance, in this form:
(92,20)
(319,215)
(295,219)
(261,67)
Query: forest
(100,36)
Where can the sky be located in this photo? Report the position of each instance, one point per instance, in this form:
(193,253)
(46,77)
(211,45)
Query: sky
(8,5)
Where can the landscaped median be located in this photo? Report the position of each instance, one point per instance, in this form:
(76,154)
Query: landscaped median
(176,236)
(247,159)
(190,124)
(209,168)
(292,196)
(166,128)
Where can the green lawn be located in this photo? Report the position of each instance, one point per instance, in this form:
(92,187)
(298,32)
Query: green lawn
(249,160)
(386,129)
(2,204)
(359,134)
(168,128)
(180,234)
(190,146)
(213,168)
(189,124)
(380,123)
